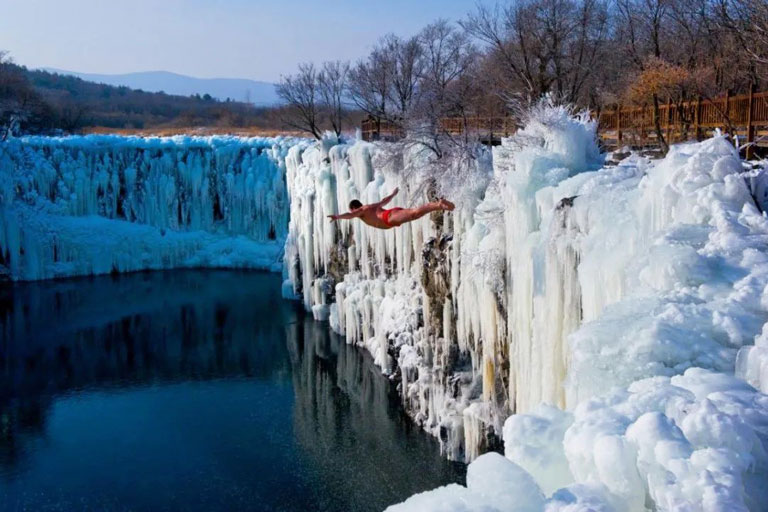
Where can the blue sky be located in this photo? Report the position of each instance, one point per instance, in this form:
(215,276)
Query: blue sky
(255,39)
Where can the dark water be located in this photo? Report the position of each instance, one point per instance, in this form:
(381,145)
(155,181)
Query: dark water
(194,390)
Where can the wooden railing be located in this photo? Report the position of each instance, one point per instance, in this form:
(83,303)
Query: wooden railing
(381,130)
(745,115)
(486,128)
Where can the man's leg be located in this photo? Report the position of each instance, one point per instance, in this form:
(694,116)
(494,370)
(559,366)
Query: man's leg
(399,217)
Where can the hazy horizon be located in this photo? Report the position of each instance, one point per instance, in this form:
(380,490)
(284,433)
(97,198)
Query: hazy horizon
(53,69)
(255,39)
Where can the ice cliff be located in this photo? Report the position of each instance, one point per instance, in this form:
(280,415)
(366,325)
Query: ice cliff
(600,323)
(98,204)
(604,307)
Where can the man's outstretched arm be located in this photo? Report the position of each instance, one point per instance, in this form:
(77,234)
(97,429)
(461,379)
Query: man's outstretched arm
(348,215)
(389,197)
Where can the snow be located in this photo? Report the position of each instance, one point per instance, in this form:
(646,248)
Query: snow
(538,445)
(605,319)
(494,484)
(752,362)
(694,441)
(102,203)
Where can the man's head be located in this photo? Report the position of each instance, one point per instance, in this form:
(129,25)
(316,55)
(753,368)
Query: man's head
(354,205)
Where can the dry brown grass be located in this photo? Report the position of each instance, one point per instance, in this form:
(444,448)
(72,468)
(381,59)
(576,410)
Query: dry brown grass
(200,131)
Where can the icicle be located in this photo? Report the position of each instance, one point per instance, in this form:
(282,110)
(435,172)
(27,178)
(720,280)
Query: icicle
(97,204)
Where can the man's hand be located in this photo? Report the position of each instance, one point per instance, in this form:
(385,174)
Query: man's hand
(333,217)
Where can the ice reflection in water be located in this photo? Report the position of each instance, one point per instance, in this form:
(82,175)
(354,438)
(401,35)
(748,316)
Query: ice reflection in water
(194,390)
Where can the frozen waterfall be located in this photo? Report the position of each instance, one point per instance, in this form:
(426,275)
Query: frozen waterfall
(97,204)
(589,314)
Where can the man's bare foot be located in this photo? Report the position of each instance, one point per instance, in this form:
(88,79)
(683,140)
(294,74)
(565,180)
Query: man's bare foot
(446,204)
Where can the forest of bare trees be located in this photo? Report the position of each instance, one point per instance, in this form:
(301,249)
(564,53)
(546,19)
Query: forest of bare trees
(591,53)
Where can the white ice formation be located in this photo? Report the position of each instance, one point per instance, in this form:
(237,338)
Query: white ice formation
(98,204)
(606,321)
(604,307)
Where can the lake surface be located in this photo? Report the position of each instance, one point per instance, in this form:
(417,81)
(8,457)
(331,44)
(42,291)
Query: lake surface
(194,390)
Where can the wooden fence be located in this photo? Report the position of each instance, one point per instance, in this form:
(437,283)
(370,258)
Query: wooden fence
(488,129)
(745,115)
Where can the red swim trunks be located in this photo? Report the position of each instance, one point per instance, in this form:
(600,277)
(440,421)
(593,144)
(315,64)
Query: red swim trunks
(384,215)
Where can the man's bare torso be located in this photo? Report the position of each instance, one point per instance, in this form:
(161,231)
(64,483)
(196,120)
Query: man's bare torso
(371,216)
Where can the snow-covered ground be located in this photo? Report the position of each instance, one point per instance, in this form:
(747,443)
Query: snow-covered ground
(98,204)
(590,315)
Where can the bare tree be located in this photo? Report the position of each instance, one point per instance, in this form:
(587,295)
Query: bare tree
(301,93)
(755,13)
(444,86)
(369,85)
(20,104)
(70,114)
(332,84)
(386,84)
(746,21)
(406,70)
(544,45)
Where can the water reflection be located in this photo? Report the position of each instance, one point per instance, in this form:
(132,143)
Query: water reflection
(212,393)
(348,419)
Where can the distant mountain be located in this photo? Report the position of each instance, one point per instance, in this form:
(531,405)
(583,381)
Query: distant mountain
(53,101)
(237,89)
